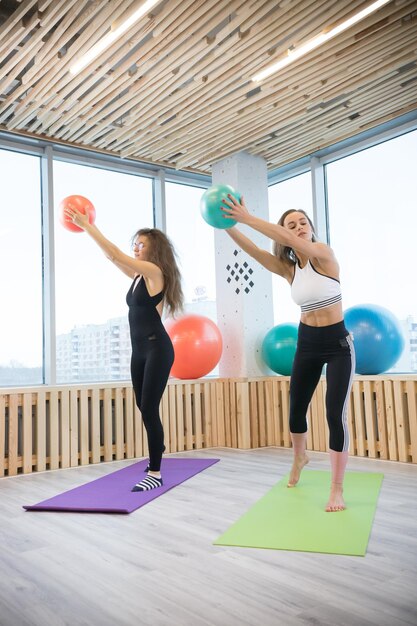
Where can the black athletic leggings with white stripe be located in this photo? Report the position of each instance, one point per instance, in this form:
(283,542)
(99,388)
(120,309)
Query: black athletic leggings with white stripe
(317,346)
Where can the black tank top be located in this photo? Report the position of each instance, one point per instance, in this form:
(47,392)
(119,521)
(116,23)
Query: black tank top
(144,319)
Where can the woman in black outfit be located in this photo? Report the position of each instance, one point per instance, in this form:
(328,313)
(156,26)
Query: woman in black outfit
(156,282)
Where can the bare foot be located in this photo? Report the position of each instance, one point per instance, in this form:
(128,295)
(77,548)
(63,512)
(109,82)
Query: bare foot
(297,466)
(336,502)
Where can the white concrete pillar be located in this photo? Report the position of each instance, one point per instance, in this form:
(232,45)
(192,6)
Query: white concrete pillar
(244,288)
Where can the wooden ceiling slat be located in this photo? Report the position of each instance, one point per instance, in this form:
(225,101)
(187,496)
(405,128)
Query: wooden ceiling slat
(222,80)
(290,101)
(270,126)
(163,70)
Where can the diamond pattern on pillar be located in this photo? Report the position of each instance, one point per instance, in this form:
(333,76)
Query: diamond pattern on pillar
(239,274)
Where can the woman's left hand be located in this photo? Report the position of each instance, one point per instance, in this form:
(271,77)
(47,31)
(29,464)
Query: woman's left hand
(235,210)
(79,219)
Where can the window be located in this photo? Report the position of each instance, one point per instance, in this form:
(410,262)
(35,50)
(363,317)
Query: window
(372,199)
(294,193)
(193,240)
(91,311)
(21,263)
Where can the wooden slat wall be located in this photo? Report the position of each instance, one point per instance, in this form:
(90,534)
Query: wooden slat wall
(48,428)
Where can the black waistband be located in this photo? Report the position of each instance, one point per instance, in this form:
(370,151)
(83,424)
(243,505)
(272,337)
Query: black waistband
(322,333)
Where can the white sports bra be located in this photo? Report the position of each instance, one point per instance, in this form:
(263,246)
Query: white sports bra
(312,290)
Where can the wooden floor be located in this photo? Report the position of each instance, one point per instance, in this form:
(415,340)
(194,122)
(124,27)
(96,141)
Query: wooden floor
(157,566)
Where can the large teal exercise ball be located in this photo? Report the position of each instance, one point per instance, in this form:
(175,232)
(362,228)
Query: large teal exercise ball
(377,338)
(278,348)
(211,203)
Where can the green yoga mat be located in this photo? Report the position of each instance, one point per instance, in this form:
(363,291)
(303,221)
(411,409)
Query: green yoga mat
(295,519)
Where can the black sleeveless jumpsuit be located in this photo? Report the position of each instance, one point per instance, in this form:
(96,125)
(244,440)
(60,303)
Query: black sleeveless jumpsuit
(152,359)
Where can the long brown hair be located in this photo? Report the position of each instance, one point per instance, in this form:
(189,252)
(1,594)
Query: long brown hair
(162,253)
(285,253)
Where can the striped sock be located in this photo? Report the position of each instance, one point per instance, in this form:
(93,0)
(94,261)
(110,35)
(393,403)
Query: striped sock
(148,483)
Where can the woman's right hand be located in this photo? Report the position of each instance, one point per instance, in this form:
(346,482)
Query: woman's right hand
(235,210)
(79,219)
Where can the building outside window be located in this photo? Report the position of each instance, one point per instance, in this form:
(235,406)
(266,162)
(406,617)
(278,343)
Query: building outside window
(91,312)
(21,339)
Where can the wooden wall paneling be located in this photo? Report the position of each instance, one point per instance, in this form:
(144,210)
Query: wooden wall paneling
(40,430)
(64,427)
(208,430)
(254,415)
(370,418)
(180,417)
(213,409)
(138,432)
(285,399)
(361,446)
(403,433)
(390,419)
(27,437)
(277,417)
(2,435)
(260,392)
(84,427)
(189,433)
(53,430)
(129,425)
(164,411)
(227,413)
(73,404)
(145,448)
(243,415)
(119,423)
(411,392)
(381,421)
(95,428)
(269,413)
(108,424)
(172,418)
(219,404)
(12,465)
(199,441)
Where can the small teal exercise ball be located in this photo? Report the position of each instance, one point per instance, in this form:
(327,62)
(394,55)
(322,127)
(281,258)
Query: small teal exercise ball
(278,348)
(211,203)
(377,338)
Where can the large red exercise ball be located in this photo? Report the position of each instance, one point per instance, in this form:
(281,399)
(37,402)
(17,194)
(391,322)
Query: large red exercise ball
(197,346)
(211,203)
(377,338)
(77,202)
(278,348)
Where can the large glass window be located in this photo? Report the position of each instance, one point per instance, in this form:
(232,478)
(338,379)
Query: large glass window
(294,193)
(194,243)
(21,273)
(372,199)
(91,313)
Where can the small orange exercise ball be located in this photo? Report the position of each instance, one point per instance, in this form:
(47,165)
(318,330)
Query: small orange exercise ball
(77,202)
(197,345)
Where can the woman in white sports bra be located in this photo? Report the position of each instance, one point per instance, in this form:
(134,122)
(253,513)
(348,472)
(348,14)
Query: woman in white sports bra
(312,271)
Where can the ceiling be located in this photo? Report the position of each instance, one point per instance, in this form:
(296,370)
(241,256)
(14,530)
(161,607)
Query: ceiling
(176,89)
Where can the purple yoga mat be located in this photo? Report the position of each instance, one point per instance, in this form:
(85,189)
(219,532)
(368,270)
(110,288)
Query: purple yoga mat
(112,493)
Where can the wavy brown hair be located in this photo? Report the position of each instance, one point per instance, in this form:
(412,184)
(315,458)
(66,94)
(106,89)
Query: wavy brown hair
(285,253)
(162,253)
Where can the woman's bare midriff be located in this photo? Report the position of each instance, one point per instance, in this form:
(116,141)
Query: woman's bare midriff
(323,317)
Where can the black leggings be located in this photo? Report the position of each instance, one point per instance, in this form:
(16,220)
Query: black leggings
(152,359)
(317,346)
